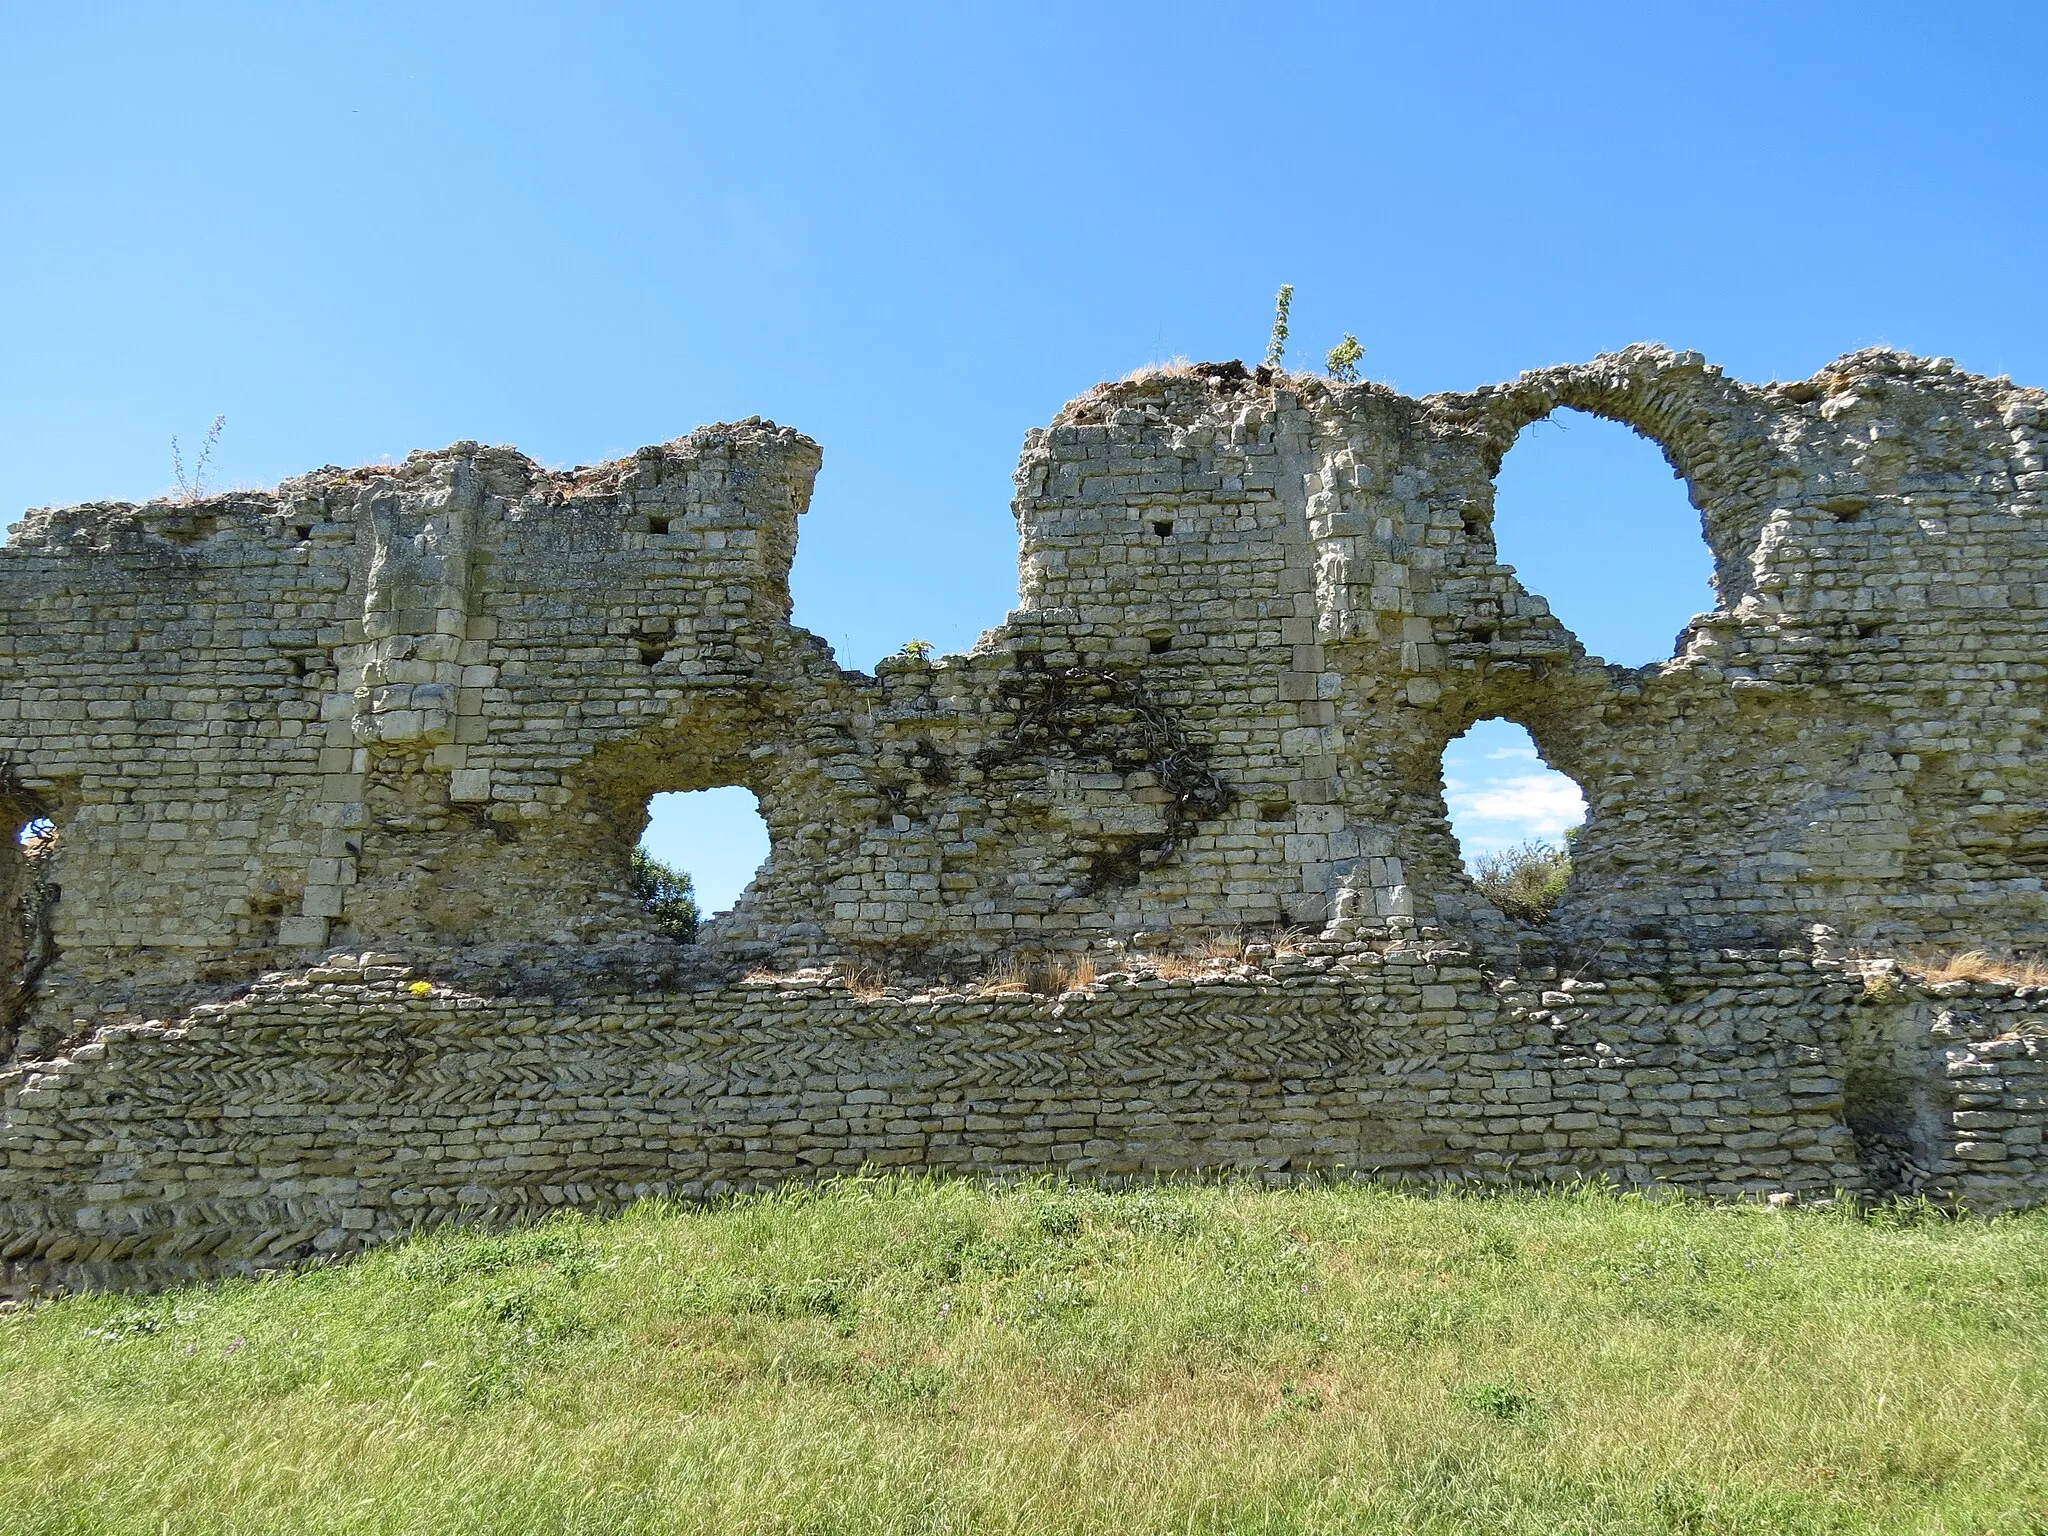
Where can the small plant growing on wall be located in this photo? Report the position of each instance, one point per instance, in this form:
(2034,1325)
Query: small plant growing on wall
(194,487)
(666,895)
(1342,362)
(918,650)
(1276,345)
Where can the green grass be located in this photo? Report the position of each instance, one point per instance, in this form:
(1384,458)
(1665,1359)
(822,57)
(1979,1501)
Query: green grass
(908,1356)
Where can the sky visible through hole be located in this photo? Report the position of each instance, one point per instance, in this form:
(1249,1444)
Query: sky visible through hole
(1497,787)
(715,836)
(1500,792)
(1595,523)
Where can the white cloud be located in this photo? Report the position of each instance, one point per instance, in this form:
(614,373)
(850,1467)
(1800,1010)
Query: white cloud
(1500,791)
(1490,813)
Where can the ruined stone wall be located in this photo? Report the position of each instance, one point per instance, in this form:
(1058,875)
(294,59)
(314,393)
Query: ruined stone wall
(372,699)
(1852,738)
(426,705)
(418,710)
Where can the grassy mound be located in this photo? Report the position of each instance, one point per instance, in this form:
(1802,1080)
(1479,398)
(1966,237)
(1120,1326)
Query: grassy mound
(909,1356)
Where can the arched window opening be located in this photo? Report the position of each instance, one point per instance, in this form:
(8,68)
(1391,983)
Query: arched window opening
(28,945)
(1594,521)
(699,852)
(1513,816)
(38,843)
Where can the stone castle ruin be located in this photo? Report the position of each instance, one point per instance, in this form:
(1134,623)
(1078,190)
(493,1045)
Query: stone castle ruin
(322,929)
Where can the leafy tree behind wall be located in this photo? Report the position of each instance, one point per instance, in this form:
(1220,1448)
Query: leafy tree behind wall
(666,894)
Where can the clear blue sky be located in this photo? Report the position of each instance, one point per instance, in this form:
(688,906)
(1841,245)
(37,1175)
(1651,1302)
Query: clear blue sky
(913,232)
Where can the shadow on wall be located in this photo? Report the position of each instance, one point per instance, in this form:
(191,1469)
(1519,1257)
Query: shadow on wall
(28,898)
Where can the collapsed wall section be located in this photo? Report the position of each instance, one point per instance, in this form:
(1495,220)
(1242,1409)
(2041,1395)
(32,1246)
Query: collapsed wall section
(1849,738)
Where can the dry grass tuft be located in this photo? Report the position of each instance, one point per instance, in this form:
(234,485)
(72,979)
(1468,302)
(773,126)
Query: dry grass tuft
(1043,975)
(1172,368)
(1080,973)
(866,983)
(1262,944)
(1979,965)
(1217,953)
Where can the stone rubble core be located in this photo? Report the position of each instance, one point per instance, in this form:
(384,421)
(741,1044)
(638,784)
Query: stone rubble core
(345,777)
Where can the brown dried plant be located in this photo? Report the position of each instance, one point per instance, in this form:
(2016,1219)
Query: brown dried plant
(1979,965)
(866,983)
(1044,975)
(1172,367)
(1215,953)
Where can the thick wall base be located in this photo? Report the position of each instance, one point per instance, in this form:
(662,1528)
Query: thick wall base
(326,1112)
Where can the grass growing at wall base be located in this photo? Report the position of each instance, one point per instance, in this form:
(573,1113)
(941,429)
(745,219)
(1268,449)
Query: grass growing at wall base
(917,1357)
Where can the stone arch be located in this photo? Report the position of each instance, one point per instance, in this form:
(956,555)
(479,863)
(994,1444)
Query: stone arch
(717,837)
(1711,430)
(809,773)
(1431,854)
(780,797)
(1588,508)
(1501,792)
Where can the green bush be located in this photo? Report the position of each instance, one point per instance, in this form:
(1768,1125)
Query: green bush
(666,894)
(1526,881)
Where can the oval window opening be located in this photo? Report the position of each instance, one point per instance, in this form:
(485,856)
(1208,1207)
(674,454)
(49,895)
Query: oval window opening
(1594,521)
(700,850)
(1513,816)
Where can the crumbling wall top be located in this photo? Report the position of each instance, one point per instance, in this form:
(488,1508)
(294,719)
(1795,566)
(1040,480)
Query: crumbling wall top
(423,705)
